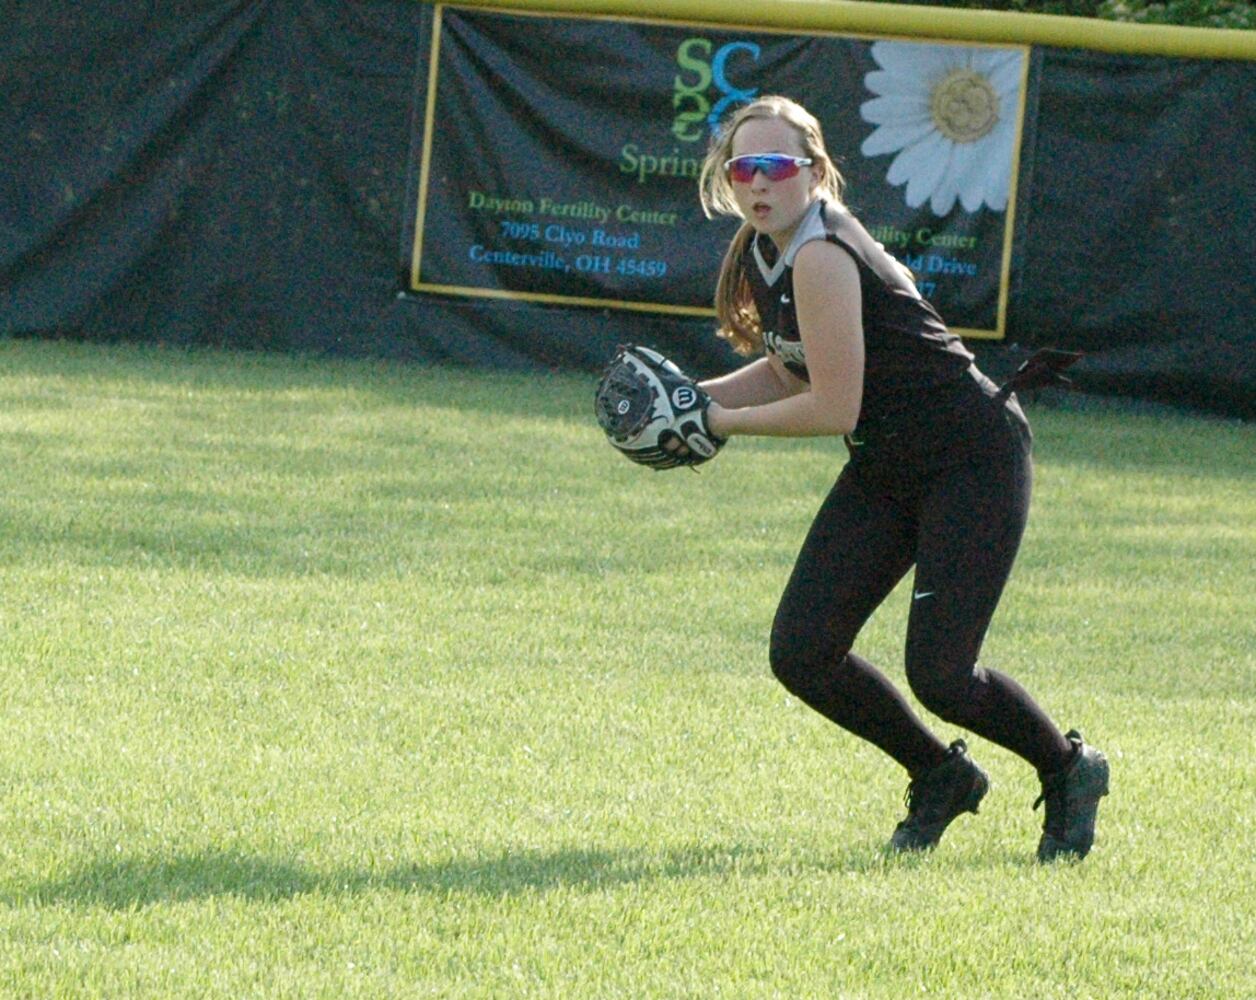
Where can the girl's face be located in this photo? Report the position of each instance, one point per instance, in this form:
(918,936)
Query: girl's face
(773,207)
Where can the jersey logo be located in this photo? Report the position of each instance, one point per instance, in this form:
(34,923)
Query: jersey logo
(790,351)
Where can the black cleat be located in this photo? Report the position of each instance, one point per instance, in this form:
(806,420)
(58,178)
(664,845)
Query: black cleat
(1072,797)
(936,797)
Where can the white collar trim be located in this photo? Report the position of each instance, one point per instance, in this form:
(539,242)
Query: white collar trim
(810,228)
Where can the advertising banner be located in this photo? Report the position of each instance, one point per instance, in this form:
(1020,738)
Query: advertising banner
(558,156)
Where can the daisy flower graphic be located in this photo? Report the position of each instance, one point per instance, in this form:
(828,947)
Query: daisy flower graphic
(949,113)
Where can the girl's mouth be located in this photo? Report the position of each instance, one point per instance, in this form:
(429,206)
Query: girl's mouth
(760,209)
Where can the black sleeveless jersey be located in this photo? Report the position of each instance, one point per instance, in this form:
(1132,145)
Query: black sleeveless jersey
(908,351)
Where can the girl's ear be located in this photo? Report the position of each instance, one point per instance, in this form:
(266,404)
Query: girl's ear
(817,177)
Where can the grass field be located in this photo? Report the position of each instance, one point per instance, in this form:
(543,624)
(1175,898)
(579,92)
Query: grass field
(354,680)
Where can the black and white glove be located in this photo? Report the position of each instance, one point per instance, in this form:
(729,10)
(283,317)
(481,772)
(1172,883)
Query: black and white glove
(645,403)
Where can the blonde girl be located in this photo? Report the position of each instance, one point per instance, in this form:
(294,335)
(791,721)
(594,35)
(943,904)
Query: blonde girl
(938,478)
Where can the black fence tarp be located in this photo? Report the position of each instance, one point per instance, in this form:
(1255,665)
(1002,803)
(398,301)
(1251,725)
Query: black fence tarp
(1135,225)
(240,174)
(206,173)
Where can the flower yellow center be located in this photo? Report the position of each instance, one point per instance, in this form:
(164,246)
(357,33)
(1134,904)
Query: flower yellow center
(964,106)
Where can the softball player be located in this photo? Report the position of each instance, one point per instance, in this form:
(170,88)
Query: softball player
(938,477)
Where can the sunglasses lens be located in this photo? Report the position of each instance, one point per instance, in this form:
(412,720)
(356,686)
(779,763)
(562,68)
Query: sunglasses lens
(778,168)
(774,168)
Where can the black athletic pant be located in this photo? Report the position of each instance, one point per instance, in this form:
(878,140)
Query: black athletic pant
(947,491)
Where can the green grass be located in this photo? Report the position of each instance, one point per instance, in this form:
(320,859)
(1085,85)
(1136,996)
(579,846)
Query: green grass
(347,679)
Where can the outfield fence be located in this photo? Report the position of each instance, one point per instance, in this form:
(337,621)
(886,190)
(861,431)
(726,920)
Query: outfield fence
(355,179)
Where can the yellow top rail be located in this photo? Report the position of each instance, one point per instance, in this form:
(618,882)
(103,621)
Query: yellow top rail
(861,17)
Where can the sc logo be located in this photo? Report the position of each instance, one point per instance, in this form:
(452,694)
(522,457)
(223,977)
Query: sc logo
(690,95)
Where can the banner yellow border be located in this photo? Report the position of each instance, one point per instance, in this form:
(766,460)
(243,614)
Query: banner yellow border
(923,22)
(535,9)
(425,164)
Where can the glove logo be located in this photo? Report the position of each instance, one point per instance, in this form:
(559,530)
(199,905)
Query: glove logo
(701,445)
(647,407)
(684,397)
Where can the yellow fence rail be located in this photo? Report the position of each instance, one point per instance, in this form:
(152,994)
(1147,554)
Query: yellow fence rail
(861,17)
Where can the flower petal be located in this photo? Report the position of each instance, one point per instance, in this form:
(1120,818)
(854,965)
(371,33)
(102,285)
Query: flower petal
(912,158)
(999,182)
(895,136)
(997,191)
(884,110)
(942,197)
(919,59)
(889,84)
(980,60)
(961,183)
(1005,77)
(986,60)
(987,178)
(922,166)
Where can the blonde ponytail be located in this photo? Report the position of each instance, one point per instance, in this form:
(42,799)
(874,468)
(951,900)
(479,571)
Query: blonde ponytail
(735,310)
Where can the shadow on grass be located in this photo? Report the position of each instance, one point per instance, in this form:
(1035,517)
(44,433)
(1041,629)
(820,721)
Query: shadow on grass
(125,883)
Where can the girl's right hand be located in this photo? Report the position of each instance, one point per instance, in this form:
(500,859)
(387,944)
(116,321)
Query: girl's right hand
(717,419)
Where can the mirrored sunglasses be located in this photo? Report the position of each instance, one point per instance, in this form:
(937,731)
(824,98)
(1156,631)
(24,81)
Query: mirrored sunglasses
(773,166)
